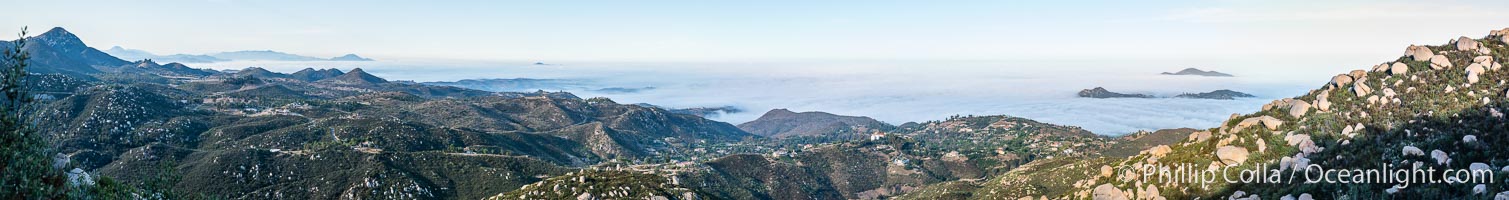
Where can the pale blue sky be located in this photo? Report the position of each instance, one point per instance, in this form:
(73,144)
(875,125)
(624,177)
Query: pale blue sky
(768,30)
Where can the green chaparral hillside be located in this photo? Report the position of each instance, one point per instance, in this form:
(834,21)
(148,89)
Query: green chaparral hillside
(321,134)
(909,158)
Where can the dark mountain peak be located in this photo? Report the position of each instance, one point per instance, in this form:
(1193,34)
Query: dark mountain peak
(58,37)
(58,32)
(59,51)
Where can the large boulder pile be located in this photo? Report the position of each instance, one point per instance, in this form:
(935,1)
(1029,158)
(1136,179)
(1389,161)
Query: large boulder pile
(1298,108)
(1480,65)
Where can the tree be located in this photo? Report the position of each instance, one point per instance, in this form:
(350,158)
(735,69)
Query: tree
(26,172)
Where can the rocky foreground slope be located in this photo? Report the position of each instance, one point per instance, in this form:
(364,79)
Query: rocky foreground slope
(1438,106)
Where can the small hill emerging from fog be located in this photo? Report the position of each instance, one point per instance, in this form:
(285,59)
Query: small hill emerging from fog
(1223,94)
(784,123)
(1218,94)
(1198,72)
(1102,93)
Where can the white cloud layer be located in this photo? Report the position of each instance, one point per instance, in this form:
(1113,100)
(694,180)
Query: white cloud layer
(895,92)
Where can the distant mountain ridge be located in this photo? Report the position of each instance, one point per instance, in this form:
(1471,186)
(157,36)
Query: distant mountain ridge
(264,55)
(134,54)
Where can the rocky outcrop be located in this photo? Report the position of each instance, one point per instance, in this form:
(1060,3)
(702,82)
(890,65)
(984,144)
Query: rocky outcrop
(1199,136)
(1440,62)
(1480,65)
(1420,53)
(1323,101)
(1501,33)
(1160,150)
(1298,108)
(1473,71)
(1341,80)
(1467,44)
(1302,142)
(1398,69)
(1231,155)
(1360,89)
(1267,121)
(1106,171)
(1440,156)
(1108,192)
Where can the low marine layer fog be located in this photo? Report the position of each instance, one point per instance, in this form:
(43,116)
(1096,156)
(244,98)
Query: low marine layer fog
(899,91)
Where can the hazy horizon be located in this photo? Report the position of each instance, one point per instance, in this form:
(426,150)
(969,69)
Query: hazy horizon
(608,31)
(894,92)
